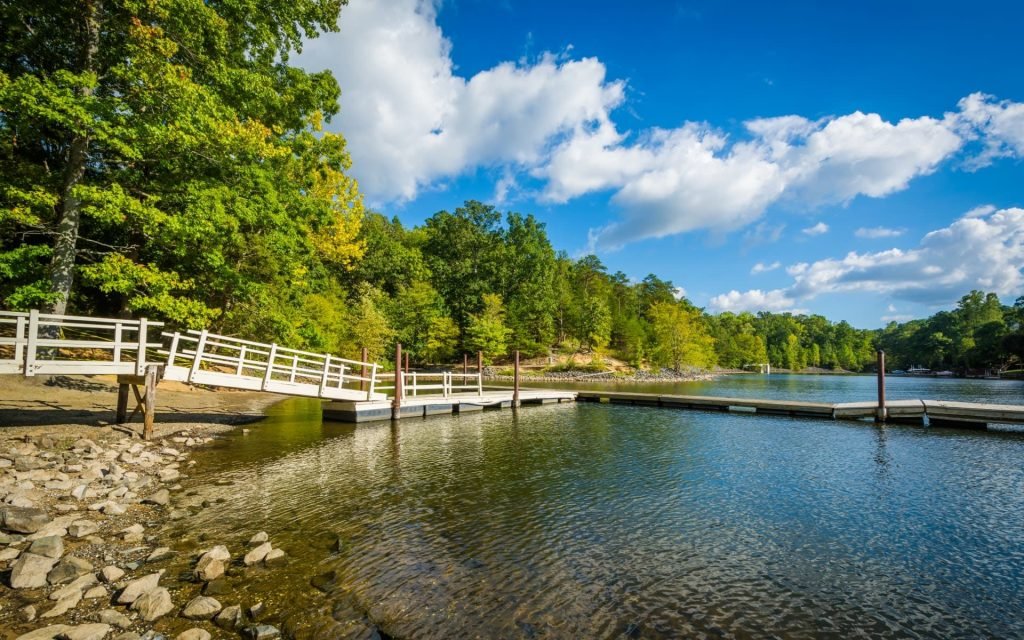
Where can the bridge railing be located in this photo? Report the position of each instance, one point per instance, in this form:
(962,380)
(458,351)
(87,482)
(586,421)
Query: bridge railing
(442,383)
(201,357)
(34,343)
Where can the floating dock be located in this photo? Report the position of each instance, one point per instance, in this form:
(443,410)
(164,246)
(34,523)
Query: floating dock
(432,405)
(919,412)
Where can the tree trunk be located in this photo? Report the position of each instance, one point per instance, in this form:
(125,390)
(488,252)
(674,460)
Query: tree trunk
(65,249)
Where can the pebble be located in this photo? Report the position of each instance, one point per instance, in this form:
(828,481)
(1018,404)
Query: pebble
(153,604)
(114,617)
(194,634)
(258,554)
(202,608)
(95,631)
(139,586)
(259,538)
(111,573)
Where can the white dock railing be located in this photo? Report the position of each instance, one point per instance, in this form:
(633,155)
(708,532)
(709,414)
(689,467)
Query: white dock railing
(33,343)
(441,383)
(201,357)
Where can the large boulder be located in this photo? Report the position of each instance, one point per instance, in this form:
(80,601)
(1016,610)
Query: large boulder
(95,631)
(258,554)
(50,546)
(139,586)
(201,608)
(30,571)
(23,519)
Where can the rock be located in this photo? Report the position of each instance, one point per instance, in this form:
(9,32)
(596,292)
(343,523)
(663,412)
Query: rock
(153,604)
(65,604)
(139,586)
(114,617)
(23,519)
(259,538)
(216,587)
(46,633)
(262,632)
(9,554)
(209,568)
(111,573)
(68,569)
(127,635)
(78,584)
(111,508)
(95,631)
(30,571)
(168,475)
(258,554)
(193,634)
(201,608)
(229,618)
(96,592)
(276,556)
(79,492)
(160,553)
(82,528)
(28,613)
(255,610)
(50,546)
(160,498)
(325,581)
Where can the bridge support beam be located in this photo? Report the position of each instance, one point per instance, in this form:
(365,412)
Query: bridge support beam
(145,400)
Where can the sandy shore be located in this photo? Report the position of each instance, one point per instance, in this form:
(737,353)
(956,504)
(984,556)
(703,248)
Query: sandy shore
(80,405)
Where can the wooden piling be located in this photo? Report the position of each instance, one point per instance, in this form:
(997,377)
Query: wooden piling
(515,381)
(465,364)
(364,356)
(880,414)
(406,362)
(122,403)
(149,410)
(396,402)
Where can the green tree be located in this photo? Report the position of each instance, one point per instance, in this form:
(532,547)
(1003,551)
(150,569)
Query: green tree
(487,331)
(680,337)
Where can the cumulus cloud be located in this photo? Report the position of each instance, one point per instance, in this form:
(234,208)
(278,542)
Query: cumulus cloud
(411,121)
(754,300)
(761,267)
(544,127)
(984,251)
(816,230)
(874,233)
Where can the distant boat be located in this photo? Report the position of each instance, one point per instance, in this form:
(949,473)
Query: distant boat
(898,372)
(919,371)
(944,374)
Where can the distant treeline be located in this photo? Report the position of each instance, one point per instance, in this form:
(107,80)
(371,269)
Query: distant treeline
(163,159)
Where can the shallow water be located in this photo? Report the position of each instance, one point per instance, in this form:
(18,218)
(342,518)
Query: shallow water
(572,521)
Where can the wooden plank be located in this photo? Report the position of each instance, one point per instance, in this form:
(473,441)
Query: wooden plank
(149,412)
(33,337)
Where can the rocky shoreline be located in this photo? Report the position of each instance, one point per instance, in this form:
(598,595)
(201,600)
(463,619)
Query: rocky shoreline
(80,548)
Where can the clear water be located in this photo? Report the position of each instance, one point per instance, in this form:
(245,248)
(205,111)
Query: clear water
(595,521)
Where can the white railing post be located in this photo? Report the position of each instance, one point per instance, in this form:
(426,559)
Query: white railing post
(341,376)
(174,349)
(326,372)
(19,343)
(480,383)
(33,340)
(414,384)
(241,361)
(117,342)
(140,358)
(198,357)
(270,366)
(295,366)
(373,381)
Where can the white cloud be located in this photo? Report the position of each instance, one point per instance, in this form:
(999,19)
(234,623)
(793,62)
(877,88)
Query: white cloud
(874,233)
(899,317)
(984,252)
(761,267)
(754,300)
(412,122)
(998,123)
(544,127)
(891,308)
(819,229)
(980,212)
(680,293)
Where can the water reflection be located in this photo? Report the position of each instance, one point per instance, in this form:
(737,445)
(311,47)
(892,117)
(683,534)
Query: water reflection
(597,521)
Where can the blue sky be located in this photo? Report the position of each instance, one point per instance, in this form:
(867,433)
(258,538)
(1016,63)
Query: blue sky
(863,162)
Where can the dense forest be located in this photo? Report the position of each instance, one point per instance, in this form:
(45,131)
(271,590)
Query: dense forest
(163,159)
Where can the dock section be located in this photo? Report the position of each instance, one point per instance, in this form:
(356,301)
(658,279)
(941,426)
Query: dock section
(431,405)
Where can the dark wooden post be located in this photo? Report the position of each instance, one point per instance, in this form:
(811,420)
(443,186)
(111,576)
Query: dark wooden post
(880,415)
(515,382)
(465,364)
(407,362)
(149,410)
(122,403)
(480,362)
(396,402)
(364,355)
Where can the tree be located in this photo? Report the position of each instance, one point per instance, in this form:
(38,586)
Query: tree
(680,337)
(162,158)
(487,331)
(369,327)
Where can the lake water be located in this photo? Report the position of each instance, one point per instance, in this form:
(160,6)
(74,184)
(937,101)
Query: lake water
(607,521)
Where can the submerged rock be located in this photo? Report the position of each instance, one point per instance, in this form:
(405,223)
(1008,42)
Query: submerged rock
(202,608)
(229,618)
(258,554)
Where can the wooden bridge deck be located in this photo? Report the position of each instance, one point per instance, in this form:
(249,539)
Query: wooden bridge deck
(430,405)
